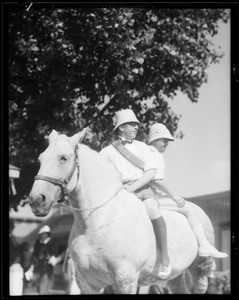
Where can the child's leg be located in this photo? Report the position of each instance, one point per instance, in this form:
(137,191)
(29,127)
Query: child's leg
(205,248)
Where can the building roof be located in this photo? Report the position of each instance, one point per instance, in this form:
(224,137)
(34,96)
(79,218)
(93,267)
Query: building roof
(11,167)
(220,200)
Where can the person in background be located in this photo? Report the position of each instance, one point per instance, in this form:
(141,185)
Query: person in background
(26,255)
(43,261)
(159,137)
(26,252)
(16,273)
(136,166)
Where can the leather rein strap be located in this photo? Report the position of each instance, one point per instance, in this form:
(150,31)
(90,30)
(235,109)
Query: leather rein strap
(62,183)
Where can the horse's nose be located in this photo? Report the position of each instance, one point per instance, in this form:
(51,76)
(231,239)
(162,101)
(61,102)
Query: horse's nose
(36,199)
(42,198)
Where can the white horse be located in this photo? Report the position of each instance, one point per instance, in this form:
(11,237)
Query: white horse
(112,241)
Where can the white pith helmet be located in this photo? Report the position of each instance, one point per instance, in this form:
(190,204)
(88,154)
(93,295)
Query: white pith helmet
(45,228)
(159,131)
(125,116)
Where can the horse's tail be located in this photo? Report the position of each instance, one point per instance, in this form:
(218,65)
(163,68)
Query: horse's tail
(196,277)
(203,265)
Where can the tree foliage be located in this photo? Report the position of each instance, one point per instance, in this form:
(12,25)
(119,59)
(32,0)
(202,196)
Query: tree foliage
(73,67)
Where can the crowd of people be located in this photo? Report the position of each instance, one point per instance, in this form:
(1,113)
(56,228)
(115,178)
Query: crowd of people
(141,167)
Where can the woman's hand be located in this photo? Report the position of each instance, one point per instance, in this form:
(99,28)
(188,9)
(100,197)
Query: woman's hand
(179,200)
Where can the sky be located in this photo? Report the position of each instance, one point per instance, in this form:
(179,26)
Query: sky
(199,164)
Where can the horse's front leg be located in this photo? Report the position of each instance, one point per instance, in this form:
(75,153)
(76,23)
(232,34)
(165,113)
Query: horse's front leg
(128,287)
(126,280)
(86,288)
(179,285)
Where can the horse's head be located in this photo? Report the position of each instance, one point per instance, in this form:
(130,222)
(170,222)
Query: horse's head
(57,173)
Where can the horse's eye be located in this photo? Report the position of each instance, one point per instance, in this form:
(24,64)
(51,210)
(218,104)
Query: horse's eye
(63,158)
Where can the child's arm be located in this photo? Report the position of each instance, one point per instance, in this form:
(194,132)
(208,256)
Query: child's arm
(163,188)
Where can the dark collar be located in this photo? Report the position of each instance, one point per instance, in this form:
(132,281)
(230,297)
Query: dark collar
(124,141)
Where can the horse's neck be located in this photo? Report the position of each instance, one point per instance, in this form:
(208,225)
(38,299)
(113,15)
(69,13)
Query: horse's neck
(96,187)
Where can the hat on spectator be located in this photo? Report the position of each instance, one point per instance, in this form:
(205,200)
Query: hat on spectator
(45,228)
(159,131)
(125,116)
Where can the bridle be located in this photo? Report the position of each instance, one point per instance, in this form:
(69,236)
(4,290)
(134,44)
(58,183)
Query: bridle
(62,183)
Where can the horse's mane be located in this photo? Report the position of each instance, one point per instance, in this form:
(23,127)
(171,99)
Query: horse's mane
(99,178)
(95,160)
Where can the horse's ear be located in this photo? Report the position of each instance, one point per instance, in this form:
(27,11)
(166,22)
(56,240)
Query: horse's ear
(52,136)
(78,137)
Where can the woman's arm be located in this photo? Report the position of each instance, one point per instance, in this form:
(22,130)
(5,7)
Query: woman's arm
(146,178)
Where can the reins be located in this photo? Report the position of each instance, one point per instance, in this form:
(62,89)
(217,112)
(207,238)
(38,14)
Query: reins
(93,208)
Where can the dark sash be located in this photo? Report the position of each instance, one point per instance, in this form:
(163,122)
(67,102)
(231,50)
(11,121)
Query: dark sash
(127,154)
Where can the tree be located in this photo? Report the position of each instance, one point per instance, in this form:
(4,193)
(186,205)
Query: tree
(69,68)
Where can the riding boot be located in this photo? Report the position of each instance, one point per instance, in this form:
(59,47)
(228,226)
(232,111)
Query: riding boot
(205,248)
(160,231)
